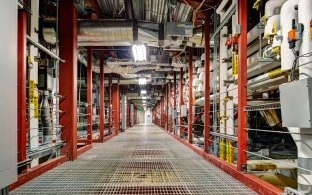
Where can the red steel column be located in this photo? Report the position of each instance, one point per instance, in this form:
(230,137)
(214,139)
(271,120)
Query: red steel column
(89,96)
(21,88)
(190,101)
(242,84)
(170,106)
(207,85)
(115,102)
(167,107)
(181,99)
(174,98)
(102,96)
(109,104)
(68,77)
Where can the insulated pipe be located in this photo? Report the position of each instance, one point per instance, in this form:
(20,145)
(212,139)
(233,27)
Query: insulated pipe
(89,96)
(46,119)
(207,85)
(242,84)
(190,99)
(288,13)
(273,7)
(304,143)
(223,77)
(181,100)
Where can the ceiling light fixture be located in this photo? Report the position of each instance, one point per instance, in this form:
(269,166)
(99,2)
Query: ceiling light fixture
(142,81)
(144,98)
(139,52)
(143,92)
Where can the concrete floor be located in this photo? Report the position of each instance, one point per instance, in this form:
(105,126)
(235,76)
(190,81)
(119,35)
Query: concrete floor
(143,160)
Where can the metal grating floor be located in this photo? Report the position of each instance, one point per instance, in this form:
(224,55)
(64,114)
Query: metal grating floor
(143,160)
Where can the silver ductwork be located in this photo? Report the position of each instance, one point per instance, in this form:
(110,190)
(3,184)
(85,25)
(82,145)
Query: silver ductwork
(105,33)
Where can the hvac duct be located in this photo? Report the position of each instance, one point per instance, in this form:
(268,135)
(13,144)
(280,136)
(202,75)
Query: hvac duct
(105,32)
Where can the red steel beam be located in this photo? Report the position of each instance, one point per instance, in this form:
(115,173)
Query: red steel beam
(242,85)
(190,100)
(253,182)
(37,171)
(207,85)
(68,77)
(89,96)
(21,87)
(181,100)
(109,104)
(170,106)
(174,98)
(83,149)
(101,96)
(115,103)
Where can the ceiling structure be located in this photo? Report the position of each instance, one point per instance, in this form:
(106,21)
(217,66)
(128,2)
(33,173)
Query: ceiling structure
(111,27)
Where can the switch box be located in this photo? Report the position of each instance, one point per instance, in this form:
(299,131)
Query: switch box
(296,102)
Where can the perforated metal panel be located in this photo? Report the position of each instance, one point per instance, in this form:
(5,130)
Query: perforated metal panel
(143,160)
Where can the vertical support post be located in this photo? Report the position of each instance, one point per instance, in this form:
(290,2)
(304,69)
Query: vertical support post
(110,104)
(101,96)
(21,85)
(170,106)
(89,96)
(181,100)
(190,100)
(167,107)
(116,102)
(174,99)
(207,85)
(68,77)
(242,85)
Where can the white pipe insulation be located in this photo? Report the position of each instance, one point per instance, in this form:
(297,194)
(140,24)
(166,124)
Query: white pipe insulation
(303,142)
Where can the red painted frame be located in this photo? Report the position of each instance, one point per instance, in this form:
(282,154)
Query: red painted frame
(242,85)
(21,87)
(207,84)
(89,96)
(68,77)
(101,96)
(190,101)
(181,100)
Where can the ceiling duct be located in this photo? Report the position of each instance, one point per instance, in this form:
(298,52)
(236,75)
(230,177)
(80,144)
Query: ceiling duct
(105,32)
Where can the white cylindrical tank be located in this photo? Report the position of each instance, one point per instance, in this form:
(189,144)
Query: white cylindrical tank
(288,13)
(305,18)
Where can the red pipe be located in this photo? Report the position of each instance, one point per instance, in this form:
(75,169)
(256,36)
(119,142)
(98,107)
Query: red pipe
(181,99)
(68,77)
(207,85)
(21,87)
(89,96)
(242,84)
(101,96)
(190,101)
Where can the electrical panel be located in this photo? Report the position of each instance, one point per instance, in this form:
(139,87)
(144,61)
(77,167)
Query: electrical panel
(296,100)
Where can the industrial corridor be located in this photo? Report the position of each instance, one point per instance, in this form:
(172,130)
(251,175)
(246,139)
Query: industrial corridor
(142,160)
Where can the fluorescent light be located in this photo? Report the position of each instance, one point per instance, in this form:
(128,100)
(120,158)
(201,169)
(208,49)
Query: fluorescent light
(144,98)
(144,101)
(139,52)
(142,81)
(143,92)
